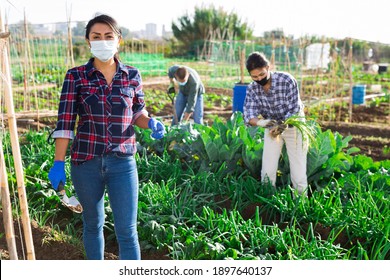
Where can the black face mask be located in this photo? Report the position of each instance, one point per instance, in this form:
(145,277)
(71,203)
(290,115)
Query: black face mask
(264,81)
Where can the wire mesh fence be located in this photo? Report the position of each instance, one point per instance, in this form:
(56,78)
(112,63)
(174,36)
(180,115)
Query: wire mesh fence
(326,71)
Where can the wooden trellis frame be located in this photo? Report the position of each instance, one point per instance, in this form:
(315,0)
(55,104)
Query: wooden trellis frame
(7,212)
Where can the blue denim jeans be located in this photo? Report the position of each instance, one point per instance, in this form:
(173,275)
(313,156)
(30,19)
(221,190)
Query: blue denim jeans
(118,175)
(181,103)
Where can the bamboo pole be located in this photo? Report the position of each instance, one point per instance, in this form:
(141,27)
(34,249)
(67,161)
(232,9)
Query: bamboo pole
(321,89)
(272,59)
(3,35)
(70,45)
(279,54)
(300,67)
(350,79)
(26,101)
(287,65)
(288,55)
(211,43)
(29,64)
(4,188)
(343,67)
(242,65)
(334,84)
(7,208)
(17,157)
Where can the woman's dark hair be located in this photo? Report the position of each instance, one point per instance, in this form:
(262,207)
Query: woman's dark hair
(103,19)
(256,60)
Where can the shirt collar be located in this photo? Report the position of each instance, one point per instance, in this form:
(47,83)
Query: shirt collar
(91,69)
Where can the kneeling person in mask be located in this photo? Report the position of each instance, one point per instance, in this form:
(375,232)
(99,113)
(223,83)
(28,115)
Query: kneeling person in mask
(189,100)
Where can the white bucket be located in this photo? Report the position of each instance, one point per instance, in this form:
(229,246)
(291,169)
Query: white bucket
(376,88)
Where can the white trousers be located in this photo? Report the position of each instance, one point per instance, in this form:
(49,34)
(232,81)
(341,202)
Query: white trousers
(297,156)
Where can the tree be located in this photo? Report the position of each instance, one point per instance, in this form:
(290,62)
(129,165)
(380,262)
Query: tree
(18,29)
(79,29)
(207,24)
(277,34)
(125,32)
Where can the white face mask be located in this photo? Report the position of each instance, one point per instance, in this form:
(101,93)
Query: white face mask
(182,83)
(104,50)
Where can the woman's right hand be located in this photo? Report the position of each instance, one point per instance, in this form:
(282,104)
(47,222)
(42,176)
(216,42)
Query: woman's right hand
(157,127)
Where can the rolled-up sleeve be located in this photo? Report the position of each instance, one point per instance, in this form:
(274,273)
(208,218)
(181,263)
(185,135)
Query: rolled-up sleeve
(67,111)
(139,98)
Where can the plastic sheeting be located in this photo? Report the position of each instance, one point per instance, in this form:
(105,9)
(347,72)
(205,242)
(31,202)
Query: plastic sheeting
(317,56)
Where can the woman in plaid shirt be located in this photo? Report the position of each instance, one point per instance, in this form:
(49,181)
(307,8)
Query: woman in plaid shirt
(270,99)
(107,97)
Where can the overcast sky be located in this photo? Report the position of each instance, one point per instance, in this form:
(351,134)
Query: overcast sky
(360,19)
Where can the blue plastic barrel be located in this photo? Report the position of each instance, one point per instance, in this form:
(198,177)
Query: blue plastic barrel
(239,93)
(358,94)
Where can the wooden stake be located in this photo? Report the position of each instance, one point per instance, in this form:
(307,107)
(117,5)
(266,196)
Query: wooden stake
(70,45)
(29,64)
(272,60)
(17,156)
(26,100)
(320,68)
(7,209)
(350,79)
(4,188)
(242,64)
(335,68)
(300,67)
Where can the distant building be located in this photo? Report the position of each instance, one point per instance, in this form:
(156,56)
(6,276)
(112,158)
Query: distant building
(42,29)
(150,33)
(61,27)
(166,34)
(48,29)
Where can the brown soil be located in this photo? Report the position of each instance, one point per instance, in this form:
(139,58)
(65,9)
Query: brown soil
(370,130)
(48,246)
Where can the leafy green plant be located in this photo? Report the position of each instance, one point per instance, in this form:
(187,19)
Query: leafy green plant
(326,156)
(193,208)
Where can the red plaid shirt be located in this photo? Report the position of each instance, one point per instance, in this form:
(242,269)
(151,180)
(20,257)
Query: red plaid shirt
(106,112)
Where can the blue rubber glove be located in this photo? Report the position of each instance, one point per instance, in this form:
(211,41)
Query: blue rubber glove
(57,174)
(157,127)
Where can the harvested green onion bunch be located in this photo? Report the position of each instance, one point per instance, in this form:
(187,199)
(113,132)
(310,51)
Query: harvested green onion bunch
(277,129)
(307,129)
